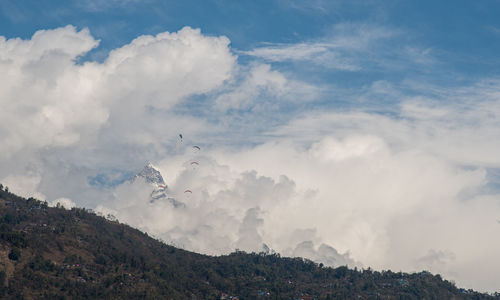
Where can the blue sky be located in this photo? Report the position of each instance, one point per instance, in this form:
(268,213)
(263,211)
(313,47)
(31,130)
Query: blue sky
(466,29)
(348,132)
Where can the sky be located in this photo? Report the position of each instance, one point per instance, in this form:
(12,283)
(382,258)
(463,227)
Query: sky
(363,133)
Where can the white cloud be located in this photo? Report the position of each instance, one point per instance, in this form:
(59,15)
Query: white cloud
(321,53)
(63,202)
(226,210)
(46,98)
(290,52)
(160,70)
(353,47)
(24,185)
(259,80)
(263,89)
(51,103)
(64,42)
(360,195)
(344,48)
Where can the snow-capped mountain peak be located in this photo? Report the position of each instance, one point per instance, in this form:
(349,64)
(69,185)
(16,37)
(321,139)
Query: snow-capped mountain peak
(152,176)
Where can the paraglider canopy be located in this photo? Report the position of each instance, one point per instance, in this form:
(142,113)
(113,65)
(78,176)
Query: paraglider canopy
(188,191)
(180,135)
(194,163)
(196,148)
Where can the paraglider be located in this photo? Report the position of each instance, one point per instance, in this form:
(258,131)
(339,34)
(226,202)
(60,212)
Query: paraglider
(180,136)
(188,191)
(195,163)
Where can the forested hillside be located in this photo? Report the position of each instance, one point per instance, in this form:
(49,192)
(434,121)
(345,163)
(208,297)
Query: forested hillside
(54,253)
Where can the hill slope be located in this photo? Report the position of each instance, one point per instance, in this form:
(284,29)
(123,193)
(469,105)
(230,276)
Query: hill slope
(53,253)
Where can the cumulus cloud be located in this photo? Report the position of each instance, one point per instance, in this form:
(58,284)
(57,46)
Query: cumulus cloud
(345,199)
(46,101)
(60,100)
(25,185)
(160,70)
(63,202)
(67,112)
(323,254)
(224,210)
(270,87)
(260,80)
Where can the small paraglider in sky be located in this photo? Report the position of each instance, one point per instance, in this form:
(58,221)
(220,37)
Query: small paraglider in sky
(194,163)
(196,148)
(180,136)
(188,193)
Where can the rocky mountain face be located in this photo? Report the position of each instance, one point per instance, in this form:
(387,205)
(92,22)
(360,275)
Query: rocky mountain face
(152,175)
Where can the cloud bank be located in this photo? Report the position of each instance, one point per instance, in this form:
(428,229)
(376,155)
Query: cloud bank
(406,184)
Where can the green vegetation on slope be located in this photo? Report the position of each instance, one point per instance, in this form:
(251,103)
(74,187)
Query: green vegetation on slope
(53,253)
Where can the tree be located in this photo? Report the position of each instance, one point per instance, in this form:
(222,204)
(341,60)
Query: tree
(15,253)
(3,276)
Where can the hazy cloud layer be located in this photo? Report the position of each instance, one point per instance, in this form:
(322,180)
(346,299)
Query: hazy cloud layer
(347,47)
(407,180)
